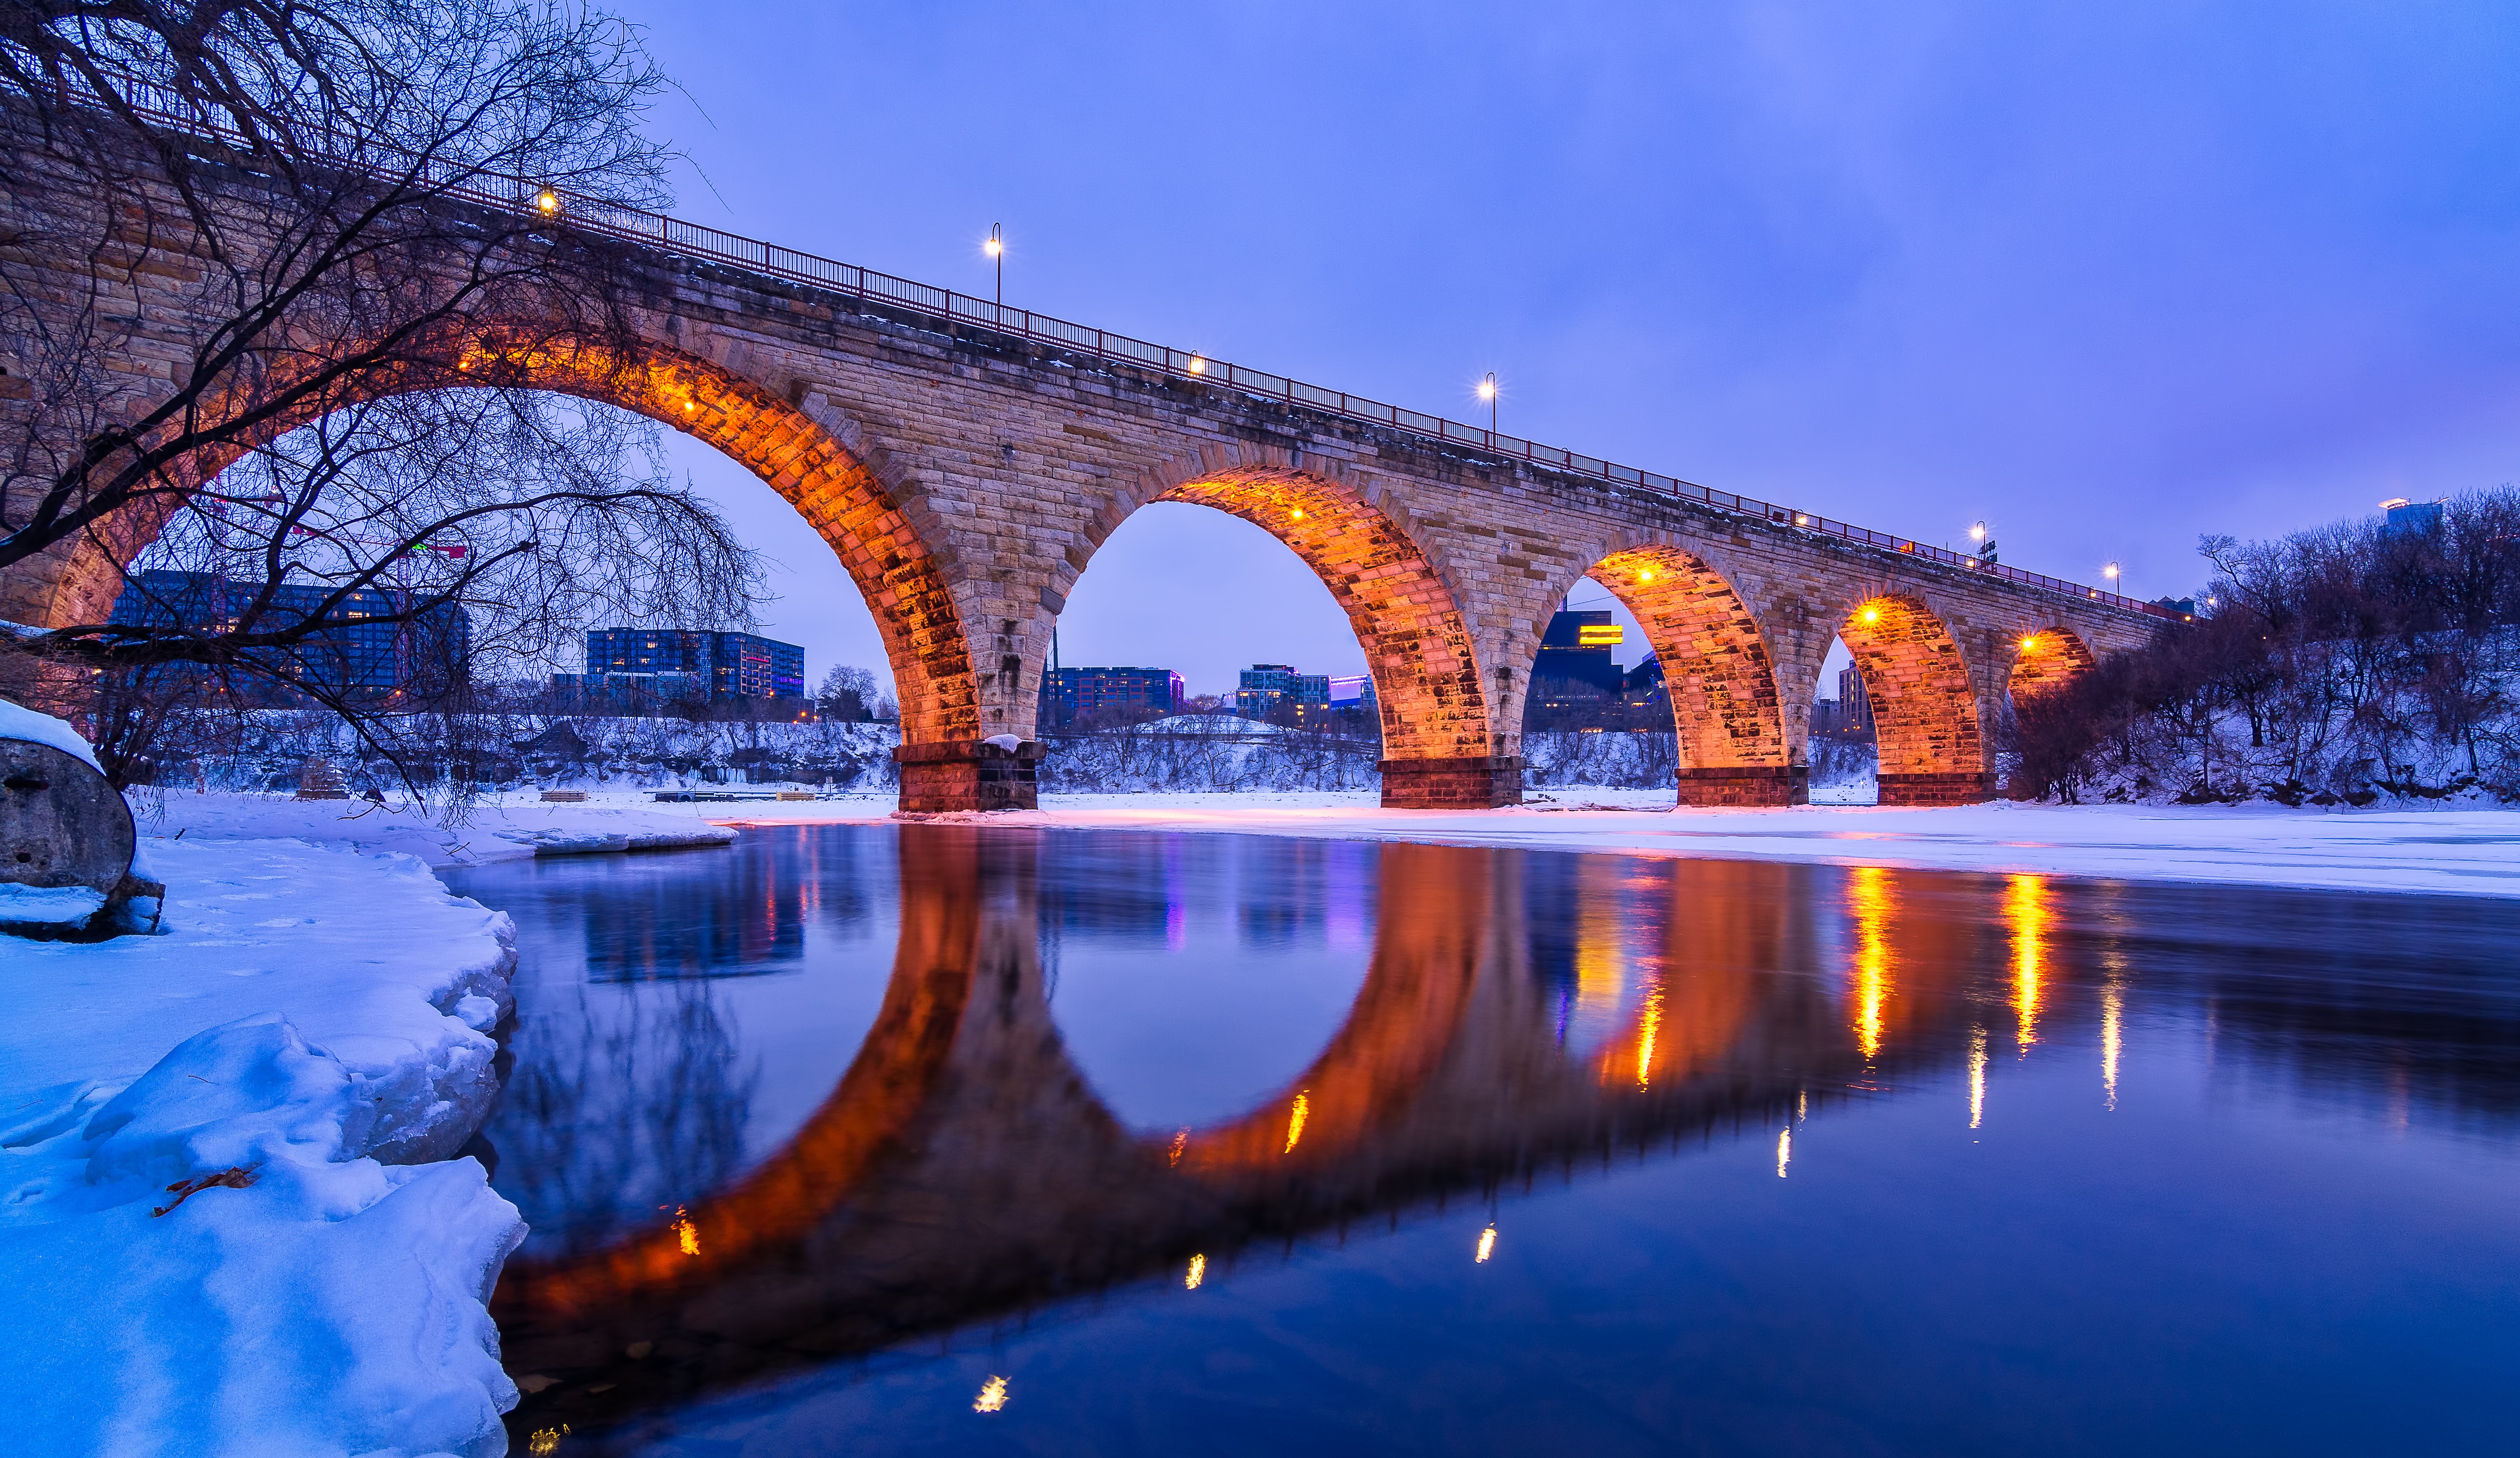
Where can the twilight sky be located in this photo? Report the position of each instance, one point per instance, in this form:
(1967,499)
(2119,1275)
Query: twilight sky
(2105,276)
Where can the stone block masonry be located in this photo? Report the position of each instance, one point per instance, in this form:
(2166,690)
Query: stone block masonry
(964,481)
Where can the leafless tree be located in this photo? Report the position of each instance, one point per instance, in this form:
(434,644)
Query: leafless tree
(352,219)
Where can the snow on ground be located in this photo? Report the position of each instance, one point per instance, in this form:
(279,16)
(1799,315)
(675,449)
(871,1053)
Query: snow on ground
(217,1231)
(505,829)
(2443,851)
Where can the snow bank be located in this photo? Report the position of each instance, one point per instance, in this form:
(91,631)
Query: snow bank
(494,831)
(19,722)
(2446,851)
(236,1247)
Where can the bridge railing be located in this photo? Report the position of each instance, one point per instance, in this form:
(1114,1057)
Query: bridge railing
(713,245)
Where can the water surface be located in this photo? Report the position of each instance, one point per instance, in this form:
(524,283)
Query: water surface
(950,1139)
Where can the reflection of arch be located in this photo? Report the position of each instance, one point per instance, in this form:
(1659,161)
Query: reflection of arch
(1436,746)
(1428,935)
(1924,709)
(886,1087)
(1724,939)
(1733,749)
(2047,657)
(788,449)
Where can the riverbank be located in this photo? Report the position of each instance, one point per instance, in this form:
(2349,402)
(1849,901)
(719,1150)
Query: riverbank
(227,1206)
(2424,851)
(493,831)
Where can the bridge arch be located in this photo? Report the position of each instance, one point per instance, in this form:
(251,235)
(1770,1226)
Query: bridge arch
(1438,748)
(1926,718)
(1718,673)
(2045,659)
(874,534)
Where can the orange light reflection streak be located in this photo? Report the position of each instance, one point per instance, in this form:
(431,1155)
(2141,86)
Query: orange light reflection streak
(1870,899)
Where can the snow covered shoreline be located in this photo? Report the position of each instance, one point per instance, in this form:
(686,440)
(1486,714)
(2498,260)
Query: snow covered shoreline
(226,1199)
(2426,851)
(494,831)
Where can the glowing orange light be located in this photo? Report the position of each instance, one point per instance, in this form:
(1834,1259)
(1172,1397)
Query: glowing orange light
(1872,614)
(1646,575)
(1198,365)
(1197,1272)
(1487,1244)
(2025,907)
(1869,896)
(1299,514)
(1180,1142)
(548,201)
(1801,520)
(1784,1149)
(1649,1027)
(993,1395)
(2030,644)
(686,1233)
(1302,1110)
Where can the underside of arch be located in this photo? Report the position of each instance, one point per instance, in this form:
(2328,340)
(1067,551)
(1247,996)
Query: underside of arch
(2049,659)
(1437,753)
(1722,682)
(902,583)
(1924,710)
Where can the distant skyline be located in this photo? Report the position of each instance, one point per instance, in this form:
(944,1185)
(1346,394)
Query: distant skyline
(2106,278)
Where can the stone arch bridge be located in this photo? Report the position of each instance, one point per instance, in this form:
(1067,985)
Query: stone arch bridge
(966,461)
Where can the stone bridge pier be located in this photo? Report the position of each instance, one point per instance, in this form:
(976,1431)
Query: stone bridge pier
(966,473)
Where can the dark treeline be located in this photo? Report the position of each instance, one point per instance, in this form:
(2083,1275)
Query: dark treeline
(2336,666)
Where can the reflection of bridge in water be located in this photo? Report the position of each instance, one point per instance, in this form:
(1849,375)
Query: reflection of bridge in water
(964,1168)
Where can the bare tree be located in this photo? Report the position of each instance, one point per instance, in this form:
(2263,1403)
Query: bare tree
(352,221)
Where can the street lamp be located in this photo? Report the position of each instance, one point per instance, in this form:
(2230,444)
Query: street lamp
(996,248)
(1488,392)
(2111,572)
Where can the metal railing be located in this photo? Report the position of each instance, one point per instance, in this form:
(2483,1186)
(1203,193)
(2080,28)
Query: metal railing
(712,244)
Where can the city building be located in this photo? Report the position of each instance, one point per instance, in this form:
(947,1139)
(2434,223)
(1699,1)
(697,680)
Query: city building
(1576,682)
(730,664)
(1276,692)
(1849,715)
(1095,696)
(2401,517)
(359,652)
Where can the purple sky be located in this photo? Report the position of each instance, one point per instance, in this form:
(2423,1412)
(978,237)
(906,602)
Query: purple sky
(2108,277)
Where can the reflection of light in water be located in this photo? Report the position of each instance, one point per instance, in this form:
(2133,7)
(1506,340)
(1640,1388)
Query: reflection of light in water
(2025,909)
(1180,1142)
(1295,1121)
(1600,947)
(993,1395)
(1802,1105)
(1784,1150)
(1197,1272)
(685,1232)
(1487,1244)
(1977,1076)
(2112,1037)
(1867,895)
(1648,1025)
(546,1440)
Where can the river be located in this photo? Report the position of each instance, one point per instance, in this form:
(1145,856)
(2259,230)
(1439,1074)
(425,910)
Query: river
(952,1139)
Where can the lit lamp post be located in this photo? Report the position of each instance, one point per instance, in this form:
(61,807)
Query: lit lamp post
(2111,572)
(996,248)
(1981,546)
(1488,392)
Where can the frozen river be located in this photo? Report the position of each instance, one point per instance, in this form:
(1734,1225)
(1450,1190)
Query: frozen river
(875,1139)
